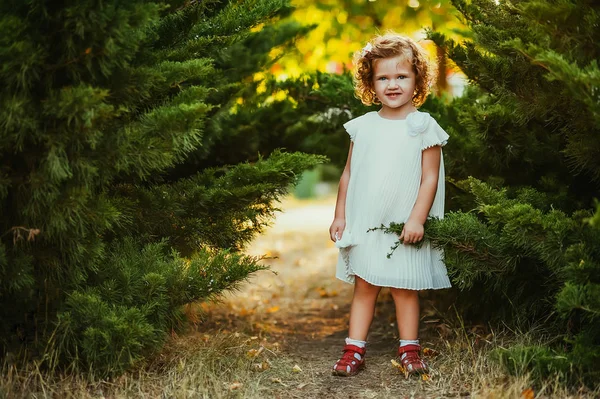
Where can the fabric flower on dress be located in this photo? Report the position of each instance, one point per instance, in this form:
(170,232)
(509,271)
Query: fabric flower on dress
(366,49)
(417,122)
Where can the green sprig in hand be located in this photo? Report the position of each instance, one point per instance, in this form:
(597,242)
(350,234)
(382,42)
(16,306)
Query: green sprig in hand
(396,228)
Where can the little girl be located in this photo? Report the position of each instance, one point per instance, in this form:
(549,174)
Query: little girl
(394,173)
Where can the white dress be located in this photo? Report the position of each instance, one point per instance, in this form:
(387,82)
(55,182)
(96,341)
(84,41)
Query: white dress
(385,176)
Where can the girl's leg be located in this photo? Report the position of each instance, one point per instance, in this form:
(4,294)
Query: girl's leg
(362,309)
(407,312)
(361,316)
(407,315)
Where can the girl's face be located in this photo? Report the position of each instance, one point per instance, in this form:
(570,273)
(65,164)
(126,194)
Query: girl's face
(394,83)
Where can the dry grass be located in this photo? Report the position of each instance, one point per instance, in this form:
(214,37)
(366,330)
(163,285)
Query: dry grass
(195,366)
(234,365)
(247,345)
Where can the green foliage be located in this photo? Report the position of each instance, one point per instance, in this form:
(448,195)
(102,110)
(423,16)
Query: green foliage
(521,113)
(579,300)
(506,247)
(529,265)
(537,361)
(528,128)
(125,310)
(219,207)
(113,169)
(305,114)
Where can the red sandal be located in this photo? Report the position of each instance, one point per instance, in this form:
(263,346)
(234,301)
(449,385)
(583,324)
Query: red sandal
(350,364)
(411,361)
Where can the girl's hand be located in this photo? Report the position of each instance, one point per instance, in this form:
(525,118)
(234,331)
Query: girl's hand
(412,232)
(337,227)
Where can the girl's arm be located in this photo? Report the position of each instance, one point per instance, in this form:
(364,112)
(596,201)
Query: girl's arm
(413,229)
(339,220)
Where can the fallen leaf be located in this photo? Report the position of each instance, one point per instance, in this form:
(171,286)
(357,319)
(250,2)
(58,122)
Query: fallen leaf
(235,385)
(397,365)
(528,394)
(276,380)
(246,312)
(273,309)
(296,369)
(430,352)
(323,293)
(300,386)
(255,352)
(251,353)
(425,377)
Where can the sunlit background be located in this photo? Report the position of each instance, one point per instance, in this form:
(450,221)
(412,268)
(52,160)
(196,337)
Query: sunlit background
(342,27)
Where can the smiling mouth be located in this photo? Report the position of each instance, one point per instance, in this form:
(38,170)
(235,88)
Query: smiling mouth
(393,95)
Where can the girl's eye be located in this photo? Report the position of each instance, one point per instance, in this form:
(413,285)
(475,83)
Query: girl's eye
(401,77)
(382,78)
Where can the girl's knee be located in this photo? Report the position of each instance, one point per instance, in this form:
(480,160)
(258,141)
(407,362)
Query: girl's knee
(363,286)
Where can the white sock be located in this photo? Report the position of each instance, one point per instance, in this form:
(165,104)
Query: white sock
(404,342)
(356,342)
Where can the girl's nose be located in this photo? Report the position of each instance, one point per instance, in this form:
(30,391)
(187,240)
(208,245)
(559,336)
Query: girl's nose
(393,83)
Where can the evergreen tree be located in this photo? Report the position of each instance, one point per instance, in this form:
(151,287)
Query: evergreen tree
(112,172)
(525,242)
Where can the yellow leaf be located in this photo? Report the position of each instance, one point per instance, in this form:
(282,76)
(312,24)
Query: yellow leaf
(273,309)
(296,369)
(425,377)
(528,394)
(251,353)
(323,293)
(398,365)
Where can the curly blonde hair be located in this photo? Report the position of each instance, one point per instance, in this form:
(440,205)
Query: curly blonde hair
(386,46)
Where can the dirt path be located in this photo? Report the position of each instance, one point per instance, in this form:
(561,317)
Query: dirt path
(304,309)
